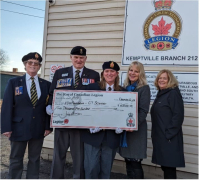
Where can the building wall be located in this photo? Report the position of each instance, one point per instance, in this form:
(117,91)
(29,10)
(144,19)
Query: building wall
(98,26)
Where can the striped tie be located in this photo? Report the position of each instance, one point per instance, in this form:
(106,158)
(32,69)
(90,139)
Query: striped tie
(34,96)
(77,79)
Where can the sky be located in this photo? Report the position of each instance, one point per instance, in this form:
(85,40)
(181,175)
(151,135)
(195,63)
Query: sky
(21,34)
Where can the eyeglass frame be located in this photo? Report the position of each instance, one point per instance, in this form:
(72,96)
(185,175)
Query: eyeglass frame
(33,63)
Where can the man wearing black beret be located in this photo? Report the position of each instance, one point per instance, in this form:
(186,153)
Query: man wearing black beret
(23,117)
(79,77)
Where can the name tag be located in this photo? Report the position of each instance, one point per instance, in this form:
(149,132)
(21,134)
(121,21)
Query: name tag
(86,81)
(64,75)
(18,90)
(64,82)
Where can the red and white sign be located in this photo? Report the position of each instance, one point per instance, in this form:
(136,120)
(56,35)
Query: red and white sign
(53,69)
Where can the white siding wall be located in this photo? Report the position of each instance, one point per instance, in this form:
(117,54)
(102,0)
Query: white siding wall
(98,26)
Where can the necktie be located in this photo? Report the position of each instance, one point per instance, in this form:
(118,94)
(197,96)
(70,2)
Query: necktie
(34,96)
(109,88)
(77,78)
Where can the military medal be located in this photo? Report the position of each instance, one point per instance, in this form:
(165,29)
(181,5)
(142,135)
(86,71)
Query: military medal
(18,90)
(64,82)
(86,81)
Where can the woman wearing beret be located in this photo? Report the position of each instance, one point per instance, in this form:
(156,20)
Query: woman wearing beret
(23,117)
(100,145)
(135,149)
(167,114)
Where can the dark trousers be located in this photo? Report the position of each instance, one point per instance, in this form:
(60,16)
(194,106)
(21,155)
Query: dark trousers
(16,158)
(169,172)
(62,141)
(98,161)
(134,169)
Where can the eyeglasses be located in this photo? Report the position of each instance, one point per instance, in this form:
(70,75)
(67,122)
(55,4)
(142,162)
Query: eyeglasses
(33,63)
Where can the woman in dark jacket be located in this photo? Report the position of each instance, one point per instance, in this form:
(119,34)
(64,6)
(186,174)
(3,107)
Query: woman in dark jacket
(100,145)
(167,114)
(136,148)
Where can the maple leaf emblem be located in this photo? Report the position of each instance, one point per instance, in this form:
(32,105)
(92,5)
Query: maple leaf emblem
(161,29)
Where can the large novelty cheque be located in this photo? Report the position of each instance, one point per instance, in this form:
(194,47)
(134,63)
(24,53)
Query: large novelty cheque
(88,109)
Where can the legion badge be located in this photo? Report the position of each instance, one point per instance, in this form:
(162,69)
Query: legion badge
(36,56)
(130,121)
(162,28)
(112,65)
(81,51)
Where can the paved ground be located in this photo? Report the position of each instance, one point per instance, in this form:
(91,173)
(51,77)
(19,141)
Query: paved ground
(44,165)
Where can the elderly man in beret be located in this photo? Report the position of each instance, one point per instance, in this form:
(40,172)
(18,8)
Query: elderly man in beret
(24,119)
(79,77)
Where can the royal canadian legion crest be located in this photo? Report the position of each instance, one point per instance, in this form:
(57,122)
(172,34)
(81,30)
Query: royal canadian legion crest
(162,28)
(130,121)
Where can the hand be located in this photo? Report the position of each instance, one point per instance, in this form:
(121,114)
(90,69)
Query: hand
(47,132)
(129,130)
(49,110)
(7,134)
(118,131)
(95,130)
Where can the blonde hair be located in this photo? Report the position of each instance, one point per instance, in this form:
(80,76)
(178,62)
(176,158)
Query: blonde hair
(142,78)
(172,81)
(102,83)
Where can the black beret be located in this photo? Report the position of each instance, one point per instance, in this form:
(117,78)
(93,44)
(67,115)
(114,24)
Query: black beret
(78,50)
(32,55)
(111,65)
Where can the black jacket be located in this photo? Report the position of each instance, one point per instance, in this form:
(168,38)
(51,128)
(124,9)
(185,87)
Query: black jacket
(167,115)
(18,114)
(95,139)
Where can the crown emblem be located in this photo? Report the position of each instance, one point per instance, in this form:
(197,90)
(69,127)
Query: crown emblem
(163,4)
(36,56)
(81,51)
(130,114)
(112,65)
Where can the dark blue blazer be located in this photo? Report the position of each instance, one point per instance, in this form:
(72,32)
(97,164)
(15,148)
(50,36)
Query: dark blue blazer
(18,114)
(95,139)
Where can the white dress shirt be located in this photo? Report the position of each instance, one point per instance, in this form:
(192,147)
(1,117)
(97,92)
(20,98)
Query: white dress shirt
(74,73)
(29,82)
(107,86)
